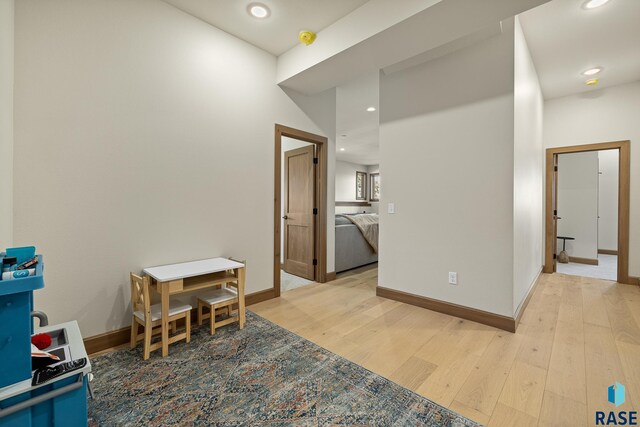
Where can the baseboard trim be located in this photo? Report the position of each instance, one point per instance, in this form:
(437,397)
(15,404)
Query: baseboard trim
(259,296)
(525,303)
(579,260)
(634,280)
(331,276)
(608,251)
(107,340)
(496,320)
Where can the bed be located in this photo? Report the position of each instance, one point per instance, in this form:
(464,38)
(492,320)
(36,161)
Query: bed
(352,248)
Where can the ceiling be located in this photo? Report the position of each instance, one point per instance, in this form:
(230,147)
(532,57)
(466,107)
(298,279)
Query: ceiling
(357,130)
(565,39)
(279,32)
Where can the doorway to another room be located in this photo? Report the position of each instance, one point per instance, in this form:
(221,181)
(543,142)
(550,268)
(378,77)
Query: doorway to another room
(300,209)
(357,173)
(587,208)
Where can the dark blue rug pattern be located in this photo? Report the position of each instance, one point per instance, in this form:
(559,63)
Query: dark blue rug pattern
(263,375)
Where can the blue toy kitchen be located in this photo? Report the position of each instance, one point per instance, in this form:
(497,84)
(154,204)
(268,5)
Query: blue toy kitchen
(45,370)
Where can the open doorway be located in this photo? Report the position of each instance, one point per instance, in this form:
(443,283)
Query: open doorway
(587,211)
(357,173)
(587,205)
(300,208)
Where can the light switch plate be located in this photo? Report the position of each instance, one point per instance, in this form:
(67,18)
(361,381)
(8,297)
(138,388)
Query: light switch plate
(453,278)
(391,208)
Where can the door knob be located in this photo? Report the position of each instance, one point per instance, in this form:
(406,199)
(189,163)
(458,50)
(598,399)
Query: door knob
(285,217)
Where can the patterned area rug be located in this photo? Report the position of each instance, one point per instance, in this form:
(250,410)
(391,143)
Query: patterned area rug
(263,375)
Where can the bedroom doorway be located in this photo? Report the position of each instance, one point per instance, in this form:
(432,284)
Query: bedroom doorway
(300,212)
(576,190)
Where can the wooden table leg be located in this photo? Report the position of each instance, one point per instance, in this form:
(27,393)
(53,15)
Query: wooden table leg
(164,286)
(240,272)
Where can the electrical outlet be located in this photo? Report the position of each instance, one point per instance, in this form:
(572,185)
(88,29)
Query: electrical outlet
(391,208)
(453,278)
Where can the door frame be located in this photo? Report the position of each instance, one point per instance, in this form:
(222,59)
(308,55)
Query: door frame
(624,183)
(320,233)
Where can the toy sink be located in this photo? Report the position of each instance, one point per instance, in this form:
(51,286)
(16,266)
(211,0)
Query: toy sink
(58,338)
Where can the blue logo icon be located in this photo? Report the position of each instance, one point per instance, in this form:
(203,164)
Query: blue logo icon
(616,394)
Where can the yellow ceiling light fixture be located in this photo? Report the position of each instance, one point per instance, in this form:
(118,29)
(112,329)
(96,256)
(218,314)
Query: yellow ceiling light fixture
(307,37)
(592,82)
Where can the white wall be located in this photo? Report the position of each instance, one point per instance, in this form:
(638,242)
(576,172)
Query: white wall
(578,203)
(609,114)
(143,136)
(346,186)
(447,158)
(608,200)
(6,123)
(346,180)
(527,172)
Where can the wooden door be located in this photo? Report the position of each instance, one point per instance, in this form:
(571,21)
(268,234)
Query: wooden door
(299,221)
(554,198)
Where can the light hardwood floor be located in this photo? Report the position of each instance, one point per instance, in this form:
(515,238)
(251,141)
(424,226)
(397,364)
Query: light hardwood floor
(578,336)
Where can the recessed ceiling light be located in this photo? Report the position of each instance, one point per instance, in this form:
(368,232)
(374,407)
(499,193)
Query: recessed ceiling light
(371,109)
(592,82)
(592,4)
(258,10)
(592,71)
(342,149)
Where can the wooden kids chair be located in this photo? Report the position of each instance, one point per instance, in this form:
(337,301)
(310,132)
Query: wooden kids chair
(224,297)
(150,316)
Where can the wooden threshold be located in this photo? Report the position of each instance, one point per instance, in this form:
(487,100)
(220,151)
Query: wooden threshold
(496,320)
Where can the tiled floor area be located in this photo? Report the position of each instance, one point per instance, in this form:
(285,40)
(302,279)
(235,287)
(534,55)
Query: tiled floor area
(289,281)
(606,269)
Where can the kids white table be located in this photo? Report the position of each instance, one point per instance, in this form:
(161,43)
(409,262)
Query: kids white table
(192,276)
